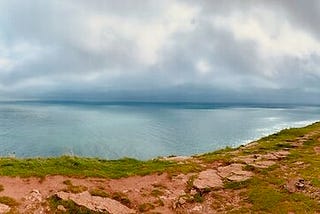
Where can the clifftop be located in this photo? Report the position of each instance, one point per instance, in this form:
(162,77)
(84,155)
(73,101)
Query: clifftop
(276,174)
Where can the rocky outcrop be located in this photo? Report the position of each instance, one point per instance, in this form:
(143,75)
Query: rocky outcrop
(96,203)
(234,172)
(208,179)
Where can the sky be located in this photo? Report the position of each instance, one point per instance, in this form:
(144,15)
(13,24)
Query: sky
(166,51)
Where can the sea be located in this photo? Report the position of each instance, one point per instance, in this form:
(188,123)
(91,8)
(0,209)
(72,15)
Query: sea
(143,131)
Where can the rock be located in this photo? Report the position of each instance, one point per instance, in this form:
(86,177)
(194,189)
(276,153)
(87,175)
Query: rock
(33,202)
(263,164)
(295,184)
(299,163)
(300,184)
(61,208)
(197,208)
(240,178)
(281,154)
(96,203)
(269,156)
(178,158)
(234,172)
(4,208)
(317,149)
(208,179)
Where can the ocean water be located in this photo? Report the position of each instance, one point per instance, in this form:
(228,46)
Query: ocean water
(138,130)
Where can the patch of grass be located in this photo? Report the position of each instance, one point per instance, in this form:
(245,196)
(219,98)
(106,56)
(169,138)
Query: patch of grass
(74,188)
(89,167)
(236,185)
(11,202)
(122,198)
(145,207)
(198,198)
(264,198)
(156,192)
(223,155)
(159,203)
(99,192)
(315,182)
(70,206)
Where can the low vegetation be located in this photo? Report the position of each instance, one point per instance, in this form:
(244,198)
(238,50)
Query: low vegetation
(266,191)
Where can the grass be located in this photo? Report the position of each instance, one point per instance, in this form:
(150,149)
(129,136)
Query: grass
(122,198)
(145,207)
(89,167)
(74,188)
(99,192)
(70,206)
(8,201)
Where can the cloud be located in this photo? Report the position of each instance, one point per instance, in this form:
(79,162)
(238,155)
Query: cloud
(160,50)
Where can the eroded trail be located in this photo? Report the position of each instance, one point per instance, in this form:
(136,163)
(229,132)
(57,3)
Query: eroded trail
(234,182)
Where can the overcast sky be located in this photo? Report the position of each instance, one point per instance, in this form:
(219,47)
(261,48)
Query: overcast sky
(151,50)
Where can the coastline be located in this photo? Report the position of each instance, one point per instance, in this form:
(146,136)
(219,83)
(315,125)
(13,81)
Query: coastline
(276,172)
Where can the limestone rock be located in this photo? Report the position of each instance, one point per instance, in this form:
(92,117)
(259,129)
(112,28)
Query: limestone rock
(208,179)
(96,203)
(263,164)
(234,172)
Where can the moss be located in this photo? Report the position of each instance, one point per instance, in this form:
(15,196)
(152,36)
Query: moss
(122,198)
(11,202)
(70,206)
(236,185)
(99,192)
(74,188)
(145,207)
(157,192)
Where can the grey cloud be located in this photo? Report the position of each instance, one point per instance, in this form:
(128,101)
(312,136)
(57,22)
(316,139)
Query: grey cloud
(72,65)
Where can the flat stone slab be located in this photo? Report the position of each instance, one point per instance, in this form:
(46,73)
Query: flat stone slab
(234,172)
(263,164)
(281,154)
(208,179)
(96,203)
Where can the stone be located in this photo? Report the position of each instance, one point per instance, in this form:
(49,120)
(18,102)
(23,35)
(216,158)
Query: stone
(263,164)
(234,172)
(197,208)
(281,154)
(208,179)
(300,184)
(4,208)
(61,208)
(317,150)
(96,203)
(269,156)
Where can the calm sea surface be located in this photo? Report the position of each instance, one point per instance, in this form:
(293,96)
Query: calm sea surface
(138,130)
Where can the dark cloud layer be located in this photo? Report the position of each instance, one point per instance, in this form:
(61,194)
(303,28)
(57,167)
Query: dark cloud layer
(208,51)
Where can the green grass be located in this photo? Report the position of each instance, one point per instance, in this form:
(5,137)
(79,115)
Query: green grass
(70,206)
(74,188)
(145,207)
(122,198)
(89,167)
(99,192)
